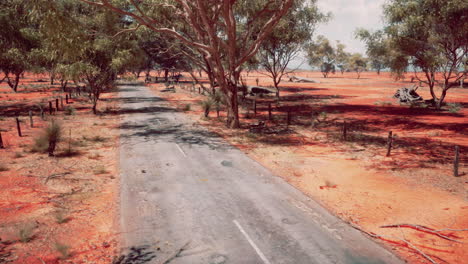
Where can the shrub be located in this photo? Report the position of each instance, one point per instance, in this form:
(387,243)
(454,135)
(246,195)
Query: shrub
(70,110)
(18,155)
(187,107)
(25,233)
(48,140)
(454,107)
(100,170)
(206,106)
(61,216)
(63,249)
(3,167)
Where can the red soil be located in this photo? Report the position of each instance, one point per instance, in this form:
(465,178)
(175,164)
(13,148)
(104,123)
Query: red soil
(31,202)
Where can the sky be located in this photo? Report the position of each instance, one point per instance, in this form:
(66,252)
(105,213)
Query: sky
(347,15)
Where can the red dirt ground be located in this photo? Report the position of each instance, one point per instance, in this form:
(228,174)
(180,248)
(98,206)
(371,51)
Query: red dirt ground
(83,193)
(354,179)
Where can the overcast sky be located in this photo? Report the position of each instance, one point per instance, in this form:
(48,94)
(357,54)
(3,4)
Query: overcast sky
(347,16)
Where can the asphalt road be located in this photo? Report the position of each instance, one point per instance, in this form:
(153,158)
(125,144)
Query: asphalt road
(189,197)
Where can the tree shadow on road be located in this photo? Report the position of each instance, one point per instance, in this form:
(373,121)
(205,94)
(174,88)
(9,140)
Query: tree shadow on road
(136,255)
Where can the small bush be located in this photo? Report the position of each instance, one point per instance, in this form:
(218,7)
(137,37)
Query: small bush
(186,108)
(3,167)
(454,107)
(61,216)
(70,110)
(25,233)
(206,106)
(100,170)
(48,140)
(63,249)
(18,155)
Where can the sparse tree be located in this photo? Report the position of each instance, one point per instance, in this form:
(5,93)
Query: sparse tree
(225,33)
(322,54)
(377,45)
(357,63)
(18,39)
(342,57)
(429,36)
(288,39)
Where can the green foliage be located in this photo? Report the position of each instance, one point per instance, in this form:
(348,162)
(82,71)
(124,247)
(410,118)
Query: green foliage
(357,63)
(454,107)
(48,139)
(429,36)
(18,40)
(378,47)
(186,108)
(321,53)
(289,37)
(206,105)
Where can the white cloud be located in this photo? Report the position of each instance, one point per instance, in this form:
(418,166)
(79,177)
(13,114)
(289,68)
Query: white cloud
(349,15)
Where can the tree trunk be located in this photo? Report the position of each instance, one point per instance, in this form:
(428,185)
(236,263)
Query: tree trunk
(166,75)
(14,85)
(232,108)
(441,99)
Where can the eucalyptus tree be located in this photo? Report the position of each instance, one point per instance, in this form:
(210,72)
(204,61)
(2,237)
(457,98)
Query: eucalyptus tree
(430,36)
(341,57)
(377,47)
(86,43)
(357,63)
(322,54)
(18,39)
(288,39)
(225,33)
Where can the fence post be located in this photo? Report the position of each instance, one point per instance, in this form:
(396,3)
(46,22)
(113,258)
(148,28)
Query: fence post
(66,98)
(345,130)
(57,104)
(1,141)
(61,101)
(255,107)
(50,107)
(269,111)
(18,126)
(456,161)
(31,118)
(389,143)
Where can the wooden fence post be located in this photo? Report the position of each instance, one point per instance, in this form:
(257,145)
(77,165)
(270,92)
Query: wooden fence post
(31,118)
(61,102)
(18,126)
(269,111)
(1,141)
(50,107)
(345,131)
(66,98)
(389,143)
(57,104)
(456,161)
(255,107)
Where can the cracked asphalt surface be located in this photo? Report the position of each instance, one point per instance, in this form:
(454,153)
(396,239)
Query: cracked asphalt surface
(187,196)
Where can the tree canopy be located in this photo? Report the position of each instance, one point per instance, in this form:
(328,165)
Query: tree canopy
(429,36)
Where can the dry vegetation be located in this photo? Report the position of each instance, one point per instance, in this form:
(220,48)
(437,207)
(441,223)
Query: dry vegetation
(57,209)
